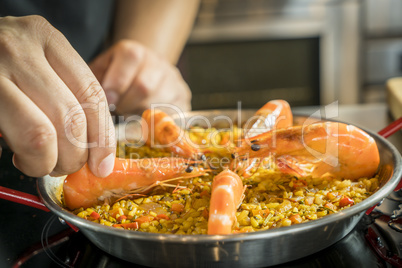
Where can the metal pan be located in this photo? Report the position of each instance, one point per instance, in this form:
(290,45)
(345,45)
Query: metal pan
(257,249)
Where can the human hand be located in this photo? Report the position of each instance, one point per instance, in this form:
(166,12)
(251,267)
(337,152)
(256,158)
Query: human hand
(50,102)
(134,78)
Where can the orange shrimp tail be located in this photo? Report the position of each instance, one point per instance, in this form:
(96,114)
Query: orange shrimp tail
(281,110)
(162,132)
(274,114)
(226,195)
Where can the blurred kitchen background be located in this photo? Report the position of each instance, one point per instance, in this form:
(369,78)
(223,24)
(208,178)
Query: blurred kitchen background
(308,52)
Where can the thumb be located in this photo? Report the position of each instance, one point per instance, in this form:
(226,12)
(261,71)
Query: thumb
(100,64)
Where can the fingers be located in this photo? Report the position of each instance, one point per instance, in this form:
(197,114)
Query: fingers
(122,70)
(67,116)
(156,83)
(51,103)
(100,65)
(77,76)
(135,77)
(144,86)
(182,93)
(28,132)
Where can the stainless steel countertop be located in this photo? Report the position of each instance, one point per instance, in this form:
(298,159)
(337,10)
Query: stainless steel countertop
(373,117)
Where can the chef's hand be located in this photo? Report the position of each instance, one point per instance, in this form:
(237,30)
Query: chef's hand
(134,77)
(51,105)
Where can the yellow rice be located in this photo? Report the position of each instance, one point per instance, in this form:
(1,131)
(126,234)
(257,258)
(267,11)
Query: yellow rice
(272,199)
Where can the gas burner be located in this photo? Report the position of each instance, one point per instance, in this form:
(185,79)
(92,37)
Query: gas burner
(49,241)
(385,232)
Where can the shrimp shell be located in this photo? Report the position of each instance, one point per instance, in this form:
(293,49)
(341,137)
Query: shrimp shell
(329,148)
(273,115)
(161,131)
(226,196)
(83,189)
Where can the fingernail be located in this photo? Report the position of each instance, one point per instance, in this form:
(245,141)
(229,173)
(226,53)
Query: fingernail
(13,160)
(112,97)
(106,166)
(55,174)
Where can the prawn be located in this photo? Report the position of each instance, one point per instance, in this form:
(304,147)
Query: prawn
(226,196)
(161,131)
(83,189)
(273,115)
(321,149)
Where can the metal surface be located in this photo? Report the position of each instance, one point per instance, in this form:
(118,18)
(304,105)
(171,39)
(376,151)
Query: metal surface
(263,248)
(338,23)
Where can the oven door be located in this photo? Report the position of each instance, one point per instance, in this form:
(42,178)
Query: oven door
(222,73)
(307,52)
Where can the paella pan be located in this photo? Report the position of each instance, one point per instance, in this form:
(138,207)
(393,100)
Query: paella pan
(262,248)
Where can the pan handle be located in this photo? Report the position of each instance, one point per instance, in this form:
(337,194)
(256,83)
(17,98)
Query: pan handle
(22,198)
(391,128)
(28,200)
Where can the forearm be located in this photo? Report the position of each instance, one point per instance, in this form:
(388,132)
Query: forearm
(161,25)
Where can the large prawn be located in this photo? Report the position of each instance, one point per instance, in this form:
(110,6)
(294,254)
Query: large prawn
(83,189)
(226,196)
(326,148)
(161,131)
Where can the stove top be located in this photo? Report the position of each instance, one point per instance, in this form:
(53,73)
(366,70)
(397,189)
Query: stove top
(33,238)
